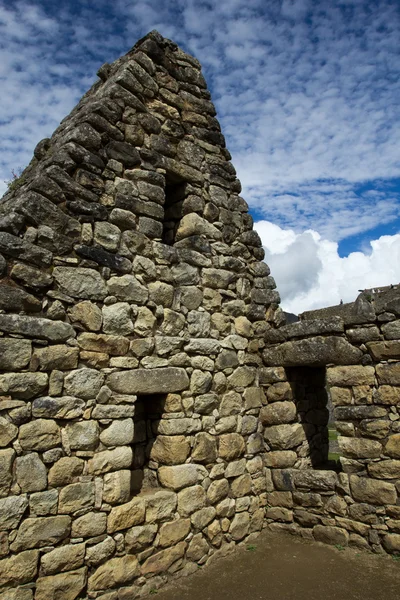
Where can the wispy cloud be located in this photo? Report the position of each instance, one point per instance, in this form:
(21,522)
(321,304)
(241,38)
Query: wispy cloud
(306,91)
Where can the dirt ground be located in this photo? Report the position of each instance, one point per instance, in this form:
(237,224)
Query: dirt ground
(281,567)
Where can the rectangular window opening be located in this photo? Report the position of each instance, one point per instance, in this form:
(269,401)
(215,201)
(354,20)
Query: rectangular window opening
(148,412)
(175,193)
(315,413)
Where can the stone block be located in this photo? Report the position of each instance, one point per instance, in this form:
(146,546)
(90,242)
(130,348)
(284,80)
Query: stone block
(90,524)
(170,450)
(139,381)
(23,385)
(41,531)
(278,413)
(160,506)
(65,470)
(385,469)
(83,383)
(231,446)
(40,434)
(323,481)
(80,282)
(31,473)
(179,476)
(75,497)
(82,435)
(392,447)
(67,407)
(58,356)
(117,487)
(205,448)
(173,532)
(280,459)
(347,376)
(87,313)
(191,499)
(162,561)
(6,461)
(43,503)
(126,515)
(140,538)
(8,432)
(111,460)
(36,327)
(240,525)
(359,448)
(384,350)
(14,353)
(331,535)
(313,352)
(371,491)
(119,433)
(114,345)
(115,572)
(19,568)
(67,586)
(11,511)
(99,552)
(284,437)
(387,395)
(65,558)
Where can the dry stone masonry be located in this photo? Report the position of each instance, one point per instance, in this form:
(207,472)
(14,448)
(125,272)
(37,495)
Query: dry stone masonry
(155,409)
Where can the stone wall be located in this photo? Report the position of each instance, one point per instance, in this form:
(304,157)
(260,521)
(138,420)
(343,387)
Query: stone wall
(133,308)
(353,358)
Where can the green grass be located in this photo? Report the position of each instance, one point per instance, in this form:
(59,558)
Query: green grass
(332,434)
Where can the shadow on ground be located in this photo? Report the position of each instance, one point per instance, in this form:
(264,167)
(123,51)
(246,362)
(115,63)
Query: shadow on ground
(280,567)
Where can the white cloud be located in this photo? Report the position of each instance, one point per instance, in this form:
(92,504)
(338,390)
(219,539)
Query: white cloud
(309,272)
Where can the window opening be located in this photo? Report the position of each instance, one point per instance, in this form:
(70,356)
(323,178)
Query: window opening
(175,193)
(148,412)
(315,413)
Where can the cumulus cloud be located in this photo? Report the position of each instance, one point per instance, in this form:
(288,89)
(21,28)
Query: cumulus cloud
(309,272)
(306,92)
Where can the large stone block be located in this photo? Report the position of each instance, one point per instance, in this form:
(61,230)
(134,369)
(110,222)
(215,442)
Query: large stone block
(23,385)
(347,376)
(8,432)
(146,381)
(115,572)
(36,327)
(115,345)
(359,448)
(385,469)
(161,562)
(313,352)
(59,357)
(67,407)
(65,470)
(191,499)
(331,535)
(11,511)
(6,461)
(90,524)
(31,473)
(126,515)
(139,538)
(179,476)
(388,373)
(284,437)
(41,531)
(170,450)
(392,447)
(278,413)
(14,353)
(160,506)
(111,460)
(40,434)
(83,383)
(173,532)
(231,446)
(119,433)
(18,569)
(65,558)
(127,288)
(67,586)
(76,496)
(80,282)
(371,491)
(384,350)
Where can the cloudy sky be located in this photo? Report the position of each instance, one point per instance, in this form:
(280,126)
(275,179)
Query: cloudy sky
(307,93)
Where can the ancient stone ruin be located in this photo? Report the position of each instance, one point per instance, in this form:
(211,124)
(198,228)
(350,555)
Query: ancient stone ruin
(155,409)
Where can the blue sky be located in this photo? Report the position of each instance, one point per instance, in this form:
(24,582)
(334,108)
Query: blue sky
(307,93)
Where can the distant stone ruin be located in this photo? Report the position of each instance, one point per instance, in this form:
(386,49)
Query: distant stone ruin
(155,409)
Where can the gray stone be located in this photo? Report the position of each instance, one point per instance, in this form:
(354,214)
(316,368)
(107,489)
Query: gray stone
(83,435)
(41,434)
(111,460)
(14,354)
(75,497)
(8,432)
(11,511)
(179,476)
(127,288)
(284,437)
(313,352)
(278,413)
(370,491)
(41,531)
(83,383)
(31,473)
(23,385)
(119,433)
(80,282)
(143,381)
(117,487)
(67,407)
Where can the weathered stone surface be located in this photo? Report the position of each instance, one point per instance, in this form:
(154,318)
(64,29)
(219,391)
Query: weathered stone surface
(115,572)
(43,503)
(67,407)
(89,525)
(41,531)
(160,506)
(6,460)
(126,515)
(170,450)
(80,282)
(14,354)
(359,448)
(23,385)
(56,357)
(100,552)
(111,460)
(64,585)
(139,538)
(391,543)
(386,469)
(160,562)
(117,487)
(370,491)
(87,313)
(173,532)
(387,395)
(141,381)
(82,435)
(392,447)
(76,496)
(13,298)
(193,224)
(278,413)
(83,383)
(65,558)
(331,535)
(117,319)
(30,472)
(324,481)
(231,446)
(284,437)
(239,526)
(205,448)
(18,569)
(179,476)
(119,433)
(114,345)
(280,459)
(191,499)
(8,432)
(40,434)
(346,376)
(127,288)
(384,350)
(313,352)
(11,511)
(388,373)
(36,327)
